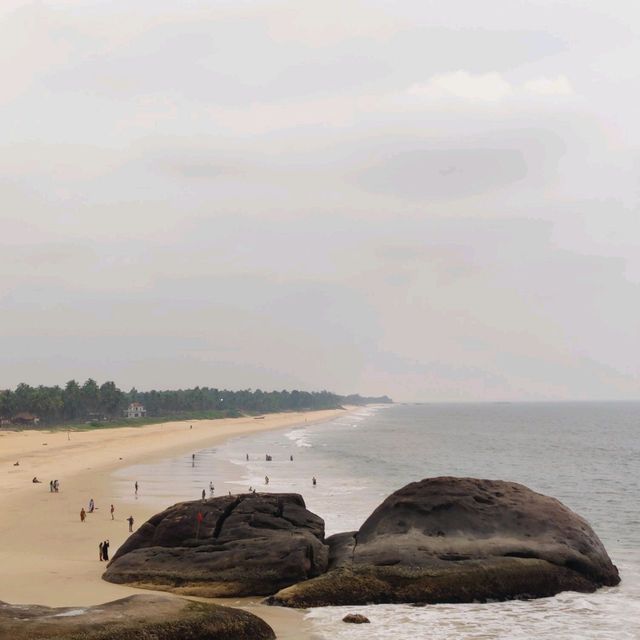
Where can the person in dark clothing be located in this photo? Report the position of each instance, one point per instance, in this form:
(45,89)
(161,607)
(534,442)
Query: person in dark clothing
(101,551)
(130,521)
(105,550)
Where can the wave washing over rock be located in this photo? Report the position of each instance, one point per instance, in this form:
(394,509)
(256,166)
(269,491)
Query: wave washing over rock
(438,540)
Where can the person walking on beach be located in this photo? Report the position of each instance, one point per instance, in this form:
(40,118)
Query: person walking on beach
(266,479)
(92,506)
(83,514)
(101,551)
(130,521)
(313,481)
(56,486)
(136,486)
(105,550)
(203,494)
(112,510)
(51,486)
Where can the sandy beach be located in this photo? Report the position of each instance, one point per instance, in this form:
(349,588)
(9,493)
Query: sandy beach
(47,555)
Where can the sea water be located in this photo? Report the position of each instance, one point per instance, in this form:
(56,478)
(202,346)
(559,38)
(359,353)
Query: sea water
(585,454)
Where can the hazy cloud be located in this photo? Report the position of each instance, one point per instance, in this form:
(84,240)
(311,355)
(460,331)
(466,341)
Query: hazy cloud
(435,201)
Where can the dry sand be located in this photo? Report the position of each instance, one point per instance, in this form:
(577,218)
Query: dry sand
(47,556)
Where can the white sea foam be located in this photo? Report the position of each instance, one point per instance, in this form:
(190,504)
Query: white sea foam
(604,615)
(299,437)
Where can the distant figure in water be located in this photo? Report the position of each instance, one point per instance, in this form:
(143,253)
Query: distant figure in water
(112,510)
(136,486)
(266,479)
(291,458)
(193,459)
(247,455)
(130,521)
(313,480)
(105,550)
(211,488)
(83,514)
(100,551)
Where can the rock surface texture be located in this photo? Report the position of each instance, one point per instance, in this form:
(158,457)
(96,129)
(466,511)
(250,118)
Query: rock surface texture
(356,618)
(250,544)
(459,540)
(133,618)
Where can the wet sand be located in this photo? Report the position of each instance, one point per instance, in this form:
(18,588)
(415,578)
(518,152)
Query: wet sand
(47,555)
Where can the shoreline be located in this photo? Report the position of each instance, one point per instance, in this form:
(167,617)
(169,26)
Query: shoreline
(48,556)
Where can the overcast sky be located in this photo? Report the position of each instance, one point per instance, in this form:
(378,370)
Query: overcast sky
(434,200)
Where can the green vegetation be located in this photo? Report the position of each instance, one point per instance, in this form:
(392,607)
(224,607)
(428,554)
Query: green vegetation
(96,405)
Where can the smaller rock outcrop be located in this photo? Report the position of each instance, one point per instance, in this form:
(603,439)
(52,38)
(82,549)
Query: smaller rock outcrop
(134,618)
(249,544)
(356,618)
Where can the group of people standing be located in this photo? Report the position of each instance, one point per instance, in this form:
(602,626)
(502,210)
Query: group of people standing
(103,548)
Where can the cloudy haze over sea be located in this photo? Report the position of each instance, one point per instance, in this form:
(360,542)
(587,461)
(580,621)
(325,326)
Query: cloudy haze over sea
(426,199)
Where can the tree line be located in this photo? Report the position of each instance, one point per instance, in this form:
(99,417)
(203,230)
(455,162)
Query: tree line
(90,401)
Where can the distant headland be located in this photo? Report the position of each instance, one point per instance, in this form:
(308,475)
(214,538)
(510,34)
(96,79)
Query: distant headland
(107,405)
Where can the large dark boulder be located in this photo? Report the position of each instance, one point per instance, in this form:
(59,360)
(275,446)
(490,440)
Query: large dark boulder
(250,544)
(459,540)
(134,618)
